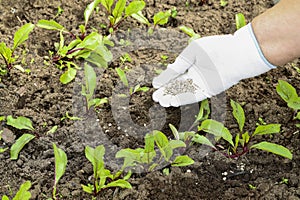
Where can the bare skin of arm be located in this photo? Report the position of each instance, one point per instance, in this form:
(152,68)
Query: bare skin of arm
(278,32)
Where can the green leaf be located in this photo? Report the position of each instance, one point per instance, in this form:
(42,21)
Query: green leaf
(97,59)
(138,88)
(68,76)
(245,138)
(240,21)
(162,142)
(97,102)
(90,42)
(149,143)
(297,116)
(20,122)
(128,175)
(181,161)
(146,157)
(90,80)
(274,148)
(2,118)
(204,111)
(22,34)
(23,193)
(223,3)
(186,135)
(2,150)
(118,10)
(95,156)
(131,156)
(88,188)
(174,131)
(52,130)
(294,103)
(6,52)
(5,197)
(119,183)
(160,139)
(141,18)
(134,7)
(176,144)
(61,161)
(189,31)
(161,18)
(73,43)
(104,52)
(237,141)
(286,91)
(107,4)
(130,153)
(238,114)
(217,129)
(50,25)
(122,76)
(89,10)
(19,144)
(267,129)
(202,140)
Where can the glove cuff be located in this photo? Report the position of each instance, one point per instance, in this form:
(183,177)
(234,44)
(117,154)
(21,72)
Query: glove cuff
(246,33)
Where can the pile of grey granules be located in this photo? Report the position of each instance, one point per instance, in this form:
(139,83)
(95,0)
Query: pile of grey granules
(180,86)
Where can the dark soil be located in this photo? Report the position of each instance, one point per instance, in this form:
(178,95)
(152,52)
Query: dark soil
(124,121)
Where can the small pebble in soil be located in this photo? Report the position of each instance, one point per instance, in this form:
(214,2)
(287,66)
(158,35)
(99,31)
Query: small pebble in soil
(241,166)
(225,173)
(180,86)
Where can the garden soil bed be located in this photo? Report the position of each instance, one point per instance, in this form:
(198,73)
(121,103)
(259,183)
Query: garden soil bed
(124,121)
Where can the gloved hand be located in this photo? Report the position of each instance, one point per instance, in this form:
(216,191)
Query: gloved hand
(209,66)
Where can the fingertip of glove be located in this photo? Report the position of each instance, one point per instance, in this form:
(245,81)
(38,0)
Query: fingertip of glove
(156,84)
(154,96)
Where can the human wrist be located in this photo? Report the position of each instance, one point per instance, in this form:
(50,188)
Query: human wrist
(277,32)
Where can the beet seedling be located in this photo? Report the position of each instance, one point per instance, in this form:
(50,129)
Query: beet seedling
(61,161)
(137,88)
(121,11)
(158,151)
(22,194)
(160,18)
(190,32)
(88,89)
(103,178)
(189,137)
(242,141)
(8,54)
(240,20)
(122,75)
(164,59)
(67,116)
(92,47)
(223,3)
(21,123)
(289,94)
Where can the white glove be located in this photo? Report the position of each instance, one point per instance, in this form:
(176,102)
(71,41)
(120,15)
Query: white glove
(209,66)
